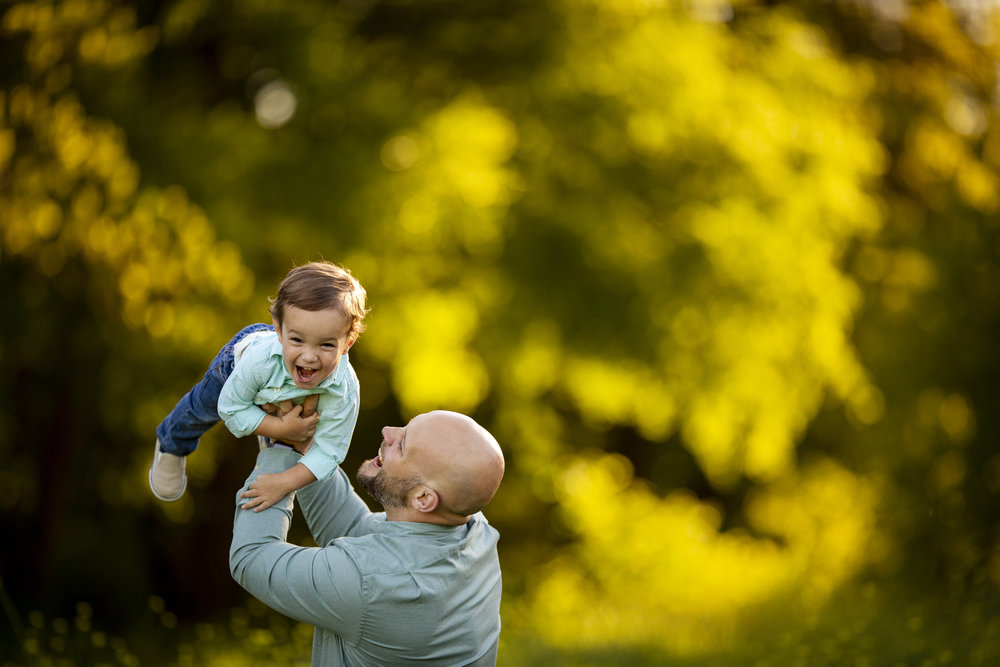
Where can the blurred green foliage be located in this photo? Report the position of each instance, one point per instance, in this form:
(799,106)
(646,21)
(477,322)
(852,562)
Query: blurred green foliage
(721,277)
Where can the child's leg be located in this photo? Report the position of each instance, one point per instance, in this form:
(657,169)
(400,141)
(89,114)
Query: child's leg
(198,410)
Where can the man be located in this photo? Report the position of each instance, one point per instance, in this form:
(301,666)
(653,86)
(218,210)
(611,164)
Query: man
(419,582)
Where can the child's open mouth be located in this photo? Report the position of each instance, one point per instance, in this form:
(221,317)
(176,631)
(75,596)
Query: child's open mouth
(305,375)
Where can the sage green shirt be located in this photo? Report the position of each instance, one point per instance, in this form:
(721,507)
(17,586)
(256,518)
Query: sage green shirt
(378,592)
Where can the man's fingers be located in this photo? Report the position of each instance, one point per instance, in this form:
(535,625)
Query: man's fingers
(286,407)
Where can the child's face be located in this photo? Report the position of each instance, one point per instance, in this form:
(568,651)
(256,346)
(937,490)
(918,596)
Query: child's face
(312,342)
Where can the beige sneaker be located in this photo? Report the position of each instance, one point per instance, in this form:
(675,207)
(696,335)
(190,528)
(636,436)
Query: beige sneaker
(167,480)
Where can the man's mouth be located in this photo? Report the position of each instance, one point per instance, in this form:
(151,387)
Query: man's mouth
(377,461)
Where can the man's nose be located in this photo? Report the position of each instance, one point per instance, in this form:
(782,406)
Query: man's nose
(389,434)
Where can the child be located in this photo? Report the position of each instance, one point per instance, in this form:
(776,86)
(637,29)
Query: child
(317,315)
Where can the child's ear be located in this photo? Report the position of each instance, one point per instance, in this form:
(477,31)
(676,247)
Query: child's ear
(350,342)
(277,326)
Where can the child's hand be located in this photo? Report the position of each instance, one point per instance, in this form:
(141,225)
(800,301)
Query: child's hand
(266,490)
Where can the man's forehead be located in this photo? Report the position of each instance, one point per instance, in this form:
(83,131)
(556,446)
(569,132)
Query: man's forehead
(416,429)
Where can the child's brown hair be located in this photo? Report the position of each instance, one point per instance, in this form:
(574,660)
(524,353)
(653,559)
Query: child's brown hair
(320,285)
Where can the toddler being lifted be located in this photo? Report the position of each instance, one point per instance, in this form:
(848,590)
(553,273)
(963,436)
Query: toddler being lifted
(301,357)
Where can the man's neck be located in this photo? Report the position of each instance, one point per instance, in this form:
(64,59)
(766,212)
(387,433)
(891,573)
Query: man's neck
(438,518)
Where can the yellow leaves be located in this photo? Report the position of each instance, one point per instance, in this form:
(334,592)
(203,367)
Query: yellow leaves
(956,418)
(866,404)
(935,149)
(607,392)
(45,219)
(400,153)
(7,139)
(471,142)
(950,413)
(647,132)
(418,214)
(826,515)
(935,154)
(937,23)
(174,251)
(451,378)
(660,571)
(450,182)
(426,340)
(134,281)
(73,194)
(978,185)
(97,33)
(899,274)
(465,144)
(535,366)
(28,16)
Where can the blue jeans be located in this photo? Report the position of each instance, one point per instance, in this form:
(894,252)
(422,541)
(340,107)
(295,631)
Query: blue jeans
(198,411)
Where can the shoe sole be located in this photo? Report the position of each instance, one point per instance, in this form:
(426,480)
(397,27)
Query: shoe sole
(152,488)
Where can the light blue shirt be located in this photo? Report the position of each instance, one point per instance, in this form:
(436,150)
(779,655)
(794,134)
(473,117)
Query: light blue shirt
(378,592)
(259,376)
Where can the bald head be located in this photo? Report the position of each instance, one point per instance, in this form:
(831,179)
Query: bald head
(457,458)
(441,468)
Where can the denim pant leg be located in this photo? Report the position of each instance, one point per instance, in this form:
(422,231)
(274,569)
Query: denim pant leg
(198,410)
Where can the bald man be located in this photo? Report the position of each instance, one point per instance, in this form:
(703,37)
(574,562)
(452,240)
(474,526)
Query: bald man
(419,582)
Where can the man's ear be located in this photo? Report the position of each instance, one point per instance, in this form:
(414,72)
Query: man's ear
(424,499)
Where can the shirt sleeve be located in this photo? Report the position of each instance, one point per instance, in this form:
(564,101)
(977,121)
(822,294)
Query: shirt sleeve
(338,417)
(320,586)
(236,401)
(333,509)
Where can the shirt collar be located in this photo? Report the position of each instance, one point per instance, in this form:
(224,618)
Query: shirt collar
(382,525)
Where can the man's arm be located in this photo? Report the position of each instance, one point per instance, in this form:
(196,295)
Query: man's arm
(320,586)
(333,509)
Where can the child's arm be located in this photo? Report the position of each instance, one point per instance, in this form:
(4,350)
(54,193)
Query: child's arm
(254,370)
(269,488)
(333,434)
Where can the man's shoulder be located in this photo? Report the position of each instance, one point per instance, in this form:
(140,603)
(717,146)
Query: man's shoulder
(391,546)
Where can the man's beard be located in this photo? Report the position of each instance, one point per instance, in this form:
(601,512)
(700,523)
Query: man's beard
(388,491)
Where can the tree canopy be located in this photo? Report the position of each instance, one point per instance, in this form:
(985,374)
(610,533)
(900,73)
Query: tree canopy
(721,277)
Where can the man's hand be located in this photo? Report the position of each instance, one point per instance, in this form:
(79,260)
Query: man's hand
(305,413)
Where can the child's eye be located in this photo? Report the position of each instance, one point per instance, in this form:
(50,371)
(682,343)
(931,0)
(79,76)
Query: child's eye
(295,339)
(329,346)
